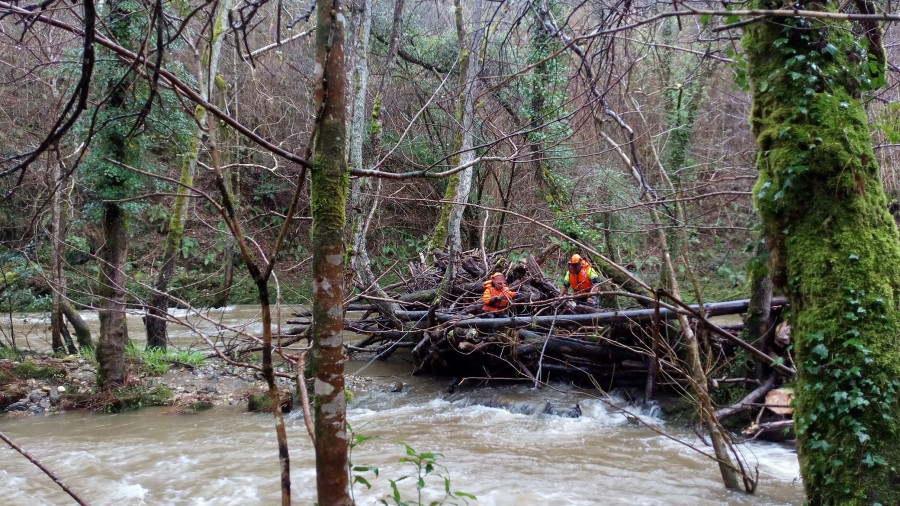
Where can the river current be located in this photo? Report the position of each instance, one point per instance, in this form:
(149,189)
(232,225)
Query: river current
(490,443)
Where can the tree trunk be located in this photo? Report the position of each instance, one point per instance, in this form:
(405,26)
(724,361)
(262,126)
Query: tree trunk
(834,247)
(364,204)
(469,80)
(758,321)
(447,231)
(58,274)
(113,331)
(82,331)
(329,197)
(157,310)
(232,181)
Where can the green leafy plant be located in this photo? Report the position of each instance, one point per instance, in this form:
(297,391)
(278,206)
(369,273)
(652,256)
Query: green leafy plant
(425,464)
(156,361)
(357,472)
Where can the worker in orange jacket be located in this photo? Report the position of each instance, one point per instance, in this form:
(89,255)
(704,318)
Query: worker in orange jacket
(497,296)
(582,278)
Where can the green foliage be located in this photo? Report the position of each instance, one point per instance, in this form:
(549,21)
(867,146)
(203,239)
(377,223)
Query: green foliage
(158,218)
(8,353)
(152,360)
(403,244)
(357,472)
(118,141)
(425,465)
(89,355)
(189,247)
(18,278)
(156,361)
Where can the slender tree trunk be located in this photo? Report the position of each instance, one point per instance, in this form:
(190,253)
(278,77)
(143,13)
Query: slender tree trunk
(447,232)
(110,351)
(157,310)
(330,181)
(364,202)
(113,331)
(58,275)
(232,181)
(469,82)
(834,247)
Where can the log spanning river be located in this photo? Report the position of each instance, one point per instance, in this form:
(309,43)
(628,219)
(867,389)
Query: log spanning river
(495,442)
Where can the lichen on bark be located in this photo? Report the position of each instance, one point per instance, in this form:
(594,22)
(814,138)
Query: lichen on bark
(834,250)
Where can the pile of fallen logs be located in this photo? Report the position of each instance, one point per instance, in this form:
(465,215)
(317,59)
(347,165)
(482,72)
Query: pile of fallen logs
(435,312)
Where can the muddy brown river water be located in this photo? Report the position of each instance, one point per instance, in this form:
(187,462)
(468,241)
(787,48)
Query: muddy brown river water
(505,457)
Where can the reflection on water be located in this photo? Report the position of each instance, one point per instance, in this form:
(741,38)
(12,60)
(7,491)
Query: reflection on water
(227,456)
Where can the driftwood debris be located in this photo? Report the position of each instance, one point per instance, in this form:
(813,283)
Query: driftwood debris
(544,336)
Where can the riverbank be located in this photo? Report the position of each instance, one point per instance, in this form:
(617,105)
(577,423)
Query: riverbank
(39,384)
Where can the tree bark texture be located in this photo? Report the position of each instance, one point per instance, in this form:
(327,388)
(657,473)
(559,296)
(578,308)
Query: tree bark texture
(113,331)
(330,182)
(834,249)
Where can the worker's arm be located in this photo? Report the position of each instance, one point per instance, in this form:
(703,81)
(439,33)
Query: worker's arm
(487,297)
(595,280)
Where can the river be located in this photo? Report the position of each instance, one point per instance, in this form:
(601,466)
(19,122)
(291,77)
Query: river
(503,456)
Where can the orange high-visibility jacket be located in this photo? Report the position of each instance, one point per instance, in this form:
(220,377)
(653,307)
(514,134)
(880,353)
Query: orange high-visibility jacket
(582,281)
(490,291)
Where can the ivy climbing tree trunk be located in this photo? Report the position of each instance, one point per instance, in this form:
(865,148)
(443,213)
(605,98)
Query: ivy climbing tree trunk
(157,309)
(329,187)
(115,143)
(834,247)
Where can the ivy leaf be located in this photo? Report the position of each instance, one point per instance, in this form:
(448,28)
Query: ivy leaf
(821,350)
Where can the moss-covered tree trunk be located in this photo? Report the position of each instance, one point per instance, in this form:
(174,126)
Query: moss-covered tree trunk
(330,182)
(834,247)
(157,310)
(460,183)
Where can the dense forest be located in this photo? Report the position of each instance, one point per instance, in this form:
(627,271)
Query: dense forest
(389,156)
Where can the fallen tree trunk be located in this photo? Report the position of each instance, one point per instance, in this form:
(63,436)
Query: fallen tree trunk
(778,430)
(748,401)
(592,319)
